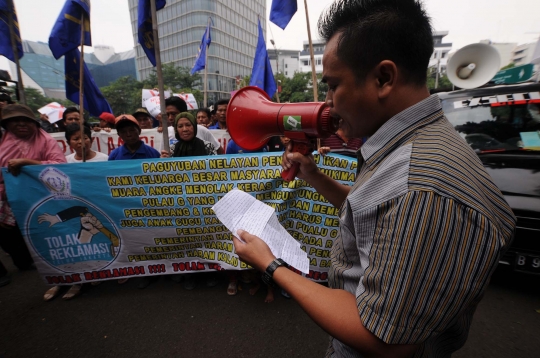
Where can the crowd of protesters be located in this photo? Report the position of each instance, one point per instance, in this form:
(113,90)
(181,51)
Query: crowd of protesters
(26,141)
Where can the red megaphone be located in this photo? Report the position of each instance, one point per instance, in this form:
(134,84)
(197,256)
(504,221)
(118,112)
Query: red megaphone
(252,119)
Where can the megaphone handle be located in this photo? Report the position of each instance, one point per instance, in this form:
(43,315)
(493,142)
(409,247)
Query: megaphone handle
(302,148)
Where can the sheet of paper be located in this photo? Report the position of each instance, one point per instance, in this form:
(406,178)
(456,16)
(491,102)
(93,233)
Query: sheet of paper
(239,210)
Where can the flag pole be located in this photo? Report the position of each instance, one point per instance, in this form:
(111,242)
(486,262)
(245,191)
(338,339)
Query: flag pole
(20,85)
(313,74)
(206,67)
(164,121)
(312,56)
(81,90)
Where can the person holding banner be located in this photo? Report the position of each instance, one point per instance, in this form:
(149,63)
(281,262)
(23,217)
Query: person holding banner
(73,137)
(175,106)
(24,143)
(106,122)
(144,118)
(129,131)
(188,145)
(221,114)
(423,227)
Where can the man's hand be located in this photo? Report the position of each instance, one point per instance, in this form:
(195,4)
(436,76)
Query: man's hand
(307,168)
(160,129)
(51,219)
(44,117)
(165,154)
(252,250)
(323,150)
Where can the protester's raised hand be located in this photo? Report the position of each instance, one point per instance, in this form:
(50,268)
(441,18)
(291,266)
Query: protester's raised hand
(307,163)
(44,117)
(160,129)
(90,223)
(252,250)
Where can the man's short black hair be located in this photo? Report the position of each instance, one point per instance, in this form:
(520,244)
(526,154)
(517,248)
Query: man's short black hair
(371,31)
(205,110)
(68,111)
(177,102)
(74,128)
(221,102)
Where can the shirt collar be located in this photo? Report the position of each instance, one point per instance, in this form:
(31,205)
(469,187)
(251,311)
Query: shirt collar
(399,129)
(139,150)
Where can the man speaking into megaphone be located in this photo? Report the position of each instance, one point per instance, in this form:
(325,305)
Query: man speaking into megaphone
(423,226)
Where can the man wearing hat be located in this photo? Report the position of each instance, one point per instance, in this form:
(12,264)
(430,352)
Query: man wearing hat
(24,143)
(128,129)
(144,118)
(106,122)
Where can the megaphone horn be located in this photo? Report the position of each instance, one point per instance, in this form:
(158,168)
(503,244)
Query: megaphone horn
(252,119)
(473,65)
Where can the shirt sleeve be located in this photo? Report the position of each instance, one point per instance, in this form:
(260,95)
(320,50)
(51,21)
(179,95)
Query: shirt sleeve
(430,262)
(52,153)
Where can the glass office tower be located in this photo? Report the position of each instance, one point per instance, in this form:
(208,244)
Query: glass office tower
(234,39)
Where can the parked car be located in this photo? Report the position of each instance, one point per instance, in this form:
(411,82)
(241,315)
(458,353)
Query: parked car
(502,125)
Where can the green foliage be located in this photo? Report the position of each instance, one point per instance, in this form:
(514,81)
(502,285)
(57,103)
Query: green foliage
(36,100)
(124,95)
(173,77)
(510,65)
(444,82)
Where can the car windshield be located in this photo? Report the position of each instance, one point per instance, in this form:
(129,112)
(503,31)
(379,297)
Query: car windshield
(497,123)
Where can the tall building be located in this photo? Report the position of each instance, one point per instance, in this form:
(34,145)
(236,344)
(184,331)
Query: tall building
(40,70)
(505,50)
(305,56)
(523,54)
(181,24)
(439,58)
(284,61)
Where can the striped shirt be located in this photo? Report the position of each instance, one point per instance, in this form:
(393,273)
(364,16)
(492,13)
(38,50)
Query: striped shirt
(421,232)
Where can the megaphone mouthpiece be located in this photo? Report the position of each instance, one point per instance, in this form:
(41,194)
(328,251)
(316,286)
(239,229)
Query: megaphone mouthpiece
(466,71)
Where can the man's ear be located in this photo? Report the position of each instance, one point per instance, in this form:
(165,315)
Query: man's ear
(386,73)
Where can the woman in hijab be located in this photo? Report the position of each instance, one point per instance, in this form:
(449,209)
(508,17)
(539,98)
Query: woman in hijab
(188,145)
(23,143)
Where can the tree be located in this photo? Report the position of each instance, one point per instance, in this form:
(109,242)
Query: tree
(35,99)
(173,77)
(510,65)
(444,82)
(124,95)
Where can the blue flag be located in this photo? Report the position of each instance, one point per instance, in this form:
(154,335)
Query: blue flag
(66,33)
(144,26)
(5,39)
(261,75)
(282,12)
(94,102)
(200,61)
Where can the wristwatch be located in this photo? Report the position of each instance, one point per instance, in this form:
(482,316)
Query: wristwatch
(267,275)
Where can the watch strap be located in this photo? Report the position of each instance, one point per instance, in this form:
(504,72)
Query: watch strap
(268,274)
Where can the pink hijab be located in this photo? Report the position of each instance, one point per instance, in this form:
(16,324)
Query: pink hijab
(41,146)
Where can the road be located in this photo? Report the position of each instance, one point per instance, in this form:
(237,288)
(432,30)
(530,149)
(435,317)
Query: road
(166,320)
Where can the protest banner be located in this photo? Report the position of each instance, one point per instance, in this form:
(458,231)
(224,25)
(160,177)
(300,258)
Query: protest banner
(149,93)
(106,142)
(53,111)
(190,100)
(97,221)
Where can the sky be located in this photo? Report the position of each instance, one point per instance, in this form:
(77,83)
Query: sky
(467,21)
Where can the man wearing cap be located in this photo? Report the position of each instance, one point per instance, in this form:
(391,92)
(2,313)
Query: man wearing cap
(106,122)
(144,118)
(134,148)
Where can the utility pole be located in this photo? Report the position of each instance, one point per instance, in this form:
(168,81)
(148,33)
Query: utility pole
(277,66)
